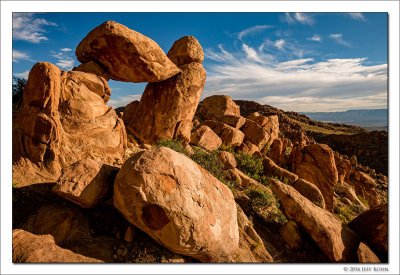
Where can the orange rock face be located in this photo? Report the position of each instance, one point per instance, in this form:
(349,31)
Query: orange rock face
(64,119)
(30,248)
(217,106)
(186,50)
(316,164)
(338,242)
(255,134)
(126,55)
(206,138)
(178,204)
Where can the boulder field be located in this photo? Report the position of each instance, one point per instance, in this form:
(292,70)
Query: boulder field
(171,179)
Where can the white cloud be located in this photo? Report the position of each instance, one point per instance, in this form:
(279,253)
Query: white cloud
(17,56)
(29,28)
(252,30)
(123,100)
(299,17)
(315,37)
(65,60)
(23,75)
(279,43)
(65,49)
(299,84)
(356,15)
(251,53)
(338,38)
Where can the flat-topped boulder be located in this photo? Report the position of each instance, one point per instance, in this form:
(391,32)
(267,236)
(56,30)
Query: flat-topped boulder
(217,106)
(126,54)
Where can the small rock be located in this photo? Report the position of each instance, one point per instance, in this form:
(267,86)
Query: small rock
(129,234)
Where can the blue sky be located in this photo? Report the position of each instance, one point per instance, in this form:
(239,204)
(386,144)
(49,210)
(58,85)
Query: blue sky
(293,61)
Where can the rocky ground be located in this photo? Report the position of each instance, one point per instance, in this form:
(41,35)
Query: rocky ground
(173,180)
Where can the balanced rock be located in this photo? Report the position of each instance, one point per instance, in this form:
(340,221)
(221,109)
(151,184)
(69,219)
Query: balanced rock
(310,191)
(316,164)
(30,248)
(338,242)
(217,106)
(179,204)
(255,134)
(62,223)
(86,182)
(64,119)
(372,227)
(186,50)
(126,55)
(166,104)
(206,138)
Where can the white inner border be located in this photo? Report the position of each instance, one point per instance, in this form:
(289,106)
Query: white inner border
(392,7)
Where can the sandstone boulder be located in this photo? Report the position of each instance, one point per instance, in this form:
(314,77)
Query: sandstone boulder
(130,112)
(30,248)
(183,131)
(125,54)
(227,159)
(310,191)
(365,187)
(271,169)
(372,227)
(86,182)
(62,223)
(186,50)
(206,138)
(248,148)
(276,152)
(94,68)
(343,166)
(229,135)
(179,204)
(316,164)
(348,192)
(255,134)
(291,233)
(217,106)
(338,242)
(365,254)
(234,121)
(64,119)
(270,124)
(164,105)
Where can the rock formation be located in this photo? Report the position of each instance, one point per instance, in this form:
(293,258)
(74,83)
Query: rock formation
(179,204)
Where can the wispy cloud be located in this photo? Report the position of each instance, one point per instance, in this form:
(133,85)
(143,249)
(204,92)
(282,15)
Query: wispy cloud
(299,83)
(65,49)
(18,55)
(65,60)
(123,100)
(338,37)
(356,15)
(297,17)
(26,26)
(23,75)
(279,43)
(251,53)
(315,37)
(252,30)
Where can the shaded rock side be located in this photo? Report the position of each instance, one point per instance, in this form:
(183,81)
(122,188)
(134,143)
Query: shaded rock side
(179,204)
(336,240)
(316,164)
(372,227)
(64,119)
(126,54)
(310,191)
(165,104)
(30,248)
(86,182)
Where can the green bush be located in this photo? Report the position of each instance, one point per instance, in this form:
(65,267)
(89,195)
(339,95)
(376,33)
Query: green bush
(366,204)
(259,197)
(173,144)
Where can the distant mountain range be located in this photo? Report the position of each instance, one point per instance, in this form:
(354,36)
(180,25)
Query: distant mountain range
(373,119)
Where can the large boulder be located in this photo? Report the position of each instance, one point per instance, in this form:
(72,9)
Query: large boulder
(64,224)
(291,233)
(227,160)
(365,187)
(64,119)
(30,248)
(217,106)
(179,204)
(271,169)
(348,192)
(86,182)
(336,240)
(270,124)
(316,164)
(228,134)
(366,255)
(126,55)
(166,104)
(186,50)
(372,227)
(343,166)
(206,138)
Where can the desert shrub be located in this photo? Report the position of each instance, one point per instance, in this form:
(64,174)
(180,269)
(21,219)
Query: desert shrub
(172,144)
(344,214)
(259,197)
(366,204)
